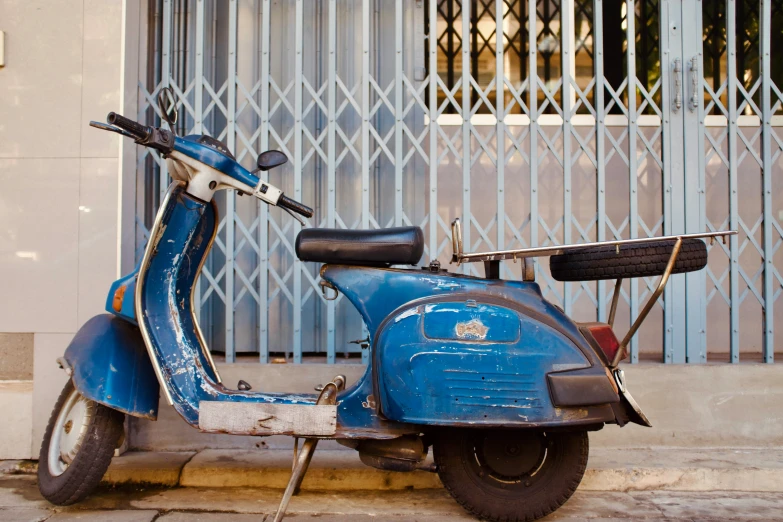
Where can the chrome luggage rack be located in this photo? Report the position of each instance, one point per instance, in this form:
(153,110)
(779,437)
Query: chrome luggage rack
(492,261)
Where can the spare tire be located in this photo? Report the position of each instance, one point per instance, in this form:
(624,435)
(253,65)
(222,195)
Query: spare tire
(634,260)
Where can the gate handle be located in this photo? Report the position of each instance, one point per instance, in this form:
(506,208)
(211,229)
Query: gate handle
(694,101)
(677,85)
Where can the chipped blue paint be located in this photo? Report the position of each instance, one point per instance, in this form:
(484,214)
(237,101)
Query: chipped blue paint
(446,349)
(389,300)
(431,375)
(189,146)
(111,366)
(166,278)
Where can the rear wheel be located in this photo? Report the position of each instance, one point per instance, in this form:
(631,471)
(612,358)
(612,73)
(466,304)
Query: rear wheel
(511,475)
(77,447)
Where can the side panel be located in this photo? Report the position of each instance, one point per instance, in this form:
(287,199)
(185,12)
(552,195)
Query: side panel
(486,365)
(383,294)
(111,366)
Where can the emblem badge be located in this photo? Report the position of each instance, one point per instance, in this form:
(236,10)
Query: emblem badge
(473,329)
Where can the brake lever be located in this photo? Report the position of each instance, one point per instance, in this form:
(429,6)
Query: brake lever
(111,128)
(294,216)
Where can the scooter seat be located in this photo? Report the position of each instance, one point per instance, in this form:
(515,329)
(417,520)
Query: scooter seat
(384,247)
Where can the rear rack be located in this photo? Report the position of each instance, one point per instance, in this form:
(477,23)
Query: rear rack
(492,259)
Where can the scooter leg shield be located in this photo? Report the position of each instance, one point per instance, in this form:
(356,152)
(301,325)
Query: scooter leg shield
(111,366)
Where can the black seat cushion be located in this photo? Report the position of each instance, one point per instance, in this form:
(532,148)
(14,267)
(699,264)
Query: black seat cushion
(388,246)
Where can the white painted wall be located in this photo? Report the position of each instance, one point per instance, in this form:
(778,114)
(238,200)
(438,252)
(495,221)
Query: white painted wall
(58,181)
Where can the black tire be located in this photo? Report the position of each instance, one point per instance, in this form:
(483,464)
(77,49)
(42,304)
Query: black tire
(511,475)
(101,435)
(637,260)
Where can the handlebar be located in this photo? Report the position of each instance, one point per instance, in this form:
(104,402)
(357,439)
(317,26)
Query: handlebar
(294,206)
(164,141)
(141,132)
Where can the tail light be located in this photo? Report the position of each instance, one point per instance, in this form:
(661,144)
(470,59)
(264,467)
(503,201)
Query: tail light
(604,337)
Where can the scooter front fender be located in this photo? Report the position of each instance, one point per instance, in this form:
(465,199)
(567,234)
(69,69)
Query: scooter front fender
(111,366)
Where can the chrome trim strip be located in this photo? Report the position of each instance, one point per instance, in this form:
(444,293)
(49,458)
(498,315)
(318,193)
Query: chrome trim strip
(199,333)
(145,261)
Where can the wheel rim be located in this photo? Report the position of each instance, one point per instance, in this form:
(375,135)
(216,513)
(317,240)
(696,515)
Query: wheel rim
(69,432)
(509,460)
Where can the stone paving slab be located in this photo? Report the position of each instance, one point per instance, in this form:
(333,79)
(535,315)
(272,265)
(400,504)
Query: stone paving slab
(23,514)
(116,515)
(702,506)
(161,468)
(142,504)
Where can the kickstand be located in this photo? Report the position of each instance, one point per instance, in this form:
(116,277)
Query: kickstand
(303,456)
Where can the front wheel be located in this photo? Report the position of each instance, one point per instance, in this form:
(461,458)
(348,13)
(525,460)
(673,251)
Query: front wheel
(77,447)
(511,475)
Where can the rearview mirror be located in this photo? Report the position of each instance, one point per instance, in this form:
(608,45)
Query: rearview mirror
(270,159)
(168,106)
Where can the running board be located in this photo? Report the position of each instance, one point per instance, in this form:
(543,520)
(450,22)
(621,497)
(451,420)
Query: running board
(253,418)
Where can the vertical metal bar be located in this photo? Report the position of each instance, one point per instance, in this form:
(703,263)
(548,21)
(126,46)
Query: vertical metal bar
(231,109)
(398,108)
(198,109)
(433,130)
(532,82)
(500,130)
(263,208)
(466,127)
(633,214)
(673,167)
(731,78)
(298,64)
(765,37)
(365,88)
(567,46)
(600,140)
(331,200)
(695,306)
(365,113)
(165,82)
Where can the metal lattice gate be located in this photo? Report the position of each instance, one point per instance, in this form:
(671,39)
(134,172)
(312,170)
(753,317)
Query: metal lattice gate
(535,121)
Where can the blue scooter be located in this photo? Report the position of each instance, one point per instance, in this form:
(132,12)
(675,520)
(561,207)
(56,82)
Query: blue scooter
(498,381)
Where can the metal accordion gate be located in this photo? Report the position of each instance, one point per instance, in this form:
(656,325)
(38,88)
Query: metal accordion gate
(535,121)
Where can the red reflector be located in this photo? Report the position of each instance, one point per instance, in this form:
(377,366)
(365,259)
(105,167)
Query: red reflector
(604,336)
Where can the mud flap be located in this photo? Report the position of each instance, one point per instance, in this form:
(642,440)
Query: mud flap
(632,409)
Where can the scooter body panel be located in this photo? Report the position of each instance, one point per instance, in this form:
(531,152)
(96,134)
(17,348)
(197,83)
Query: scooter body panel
(373,407)
(179,241)
(425,326)
(468,361)
(111,366)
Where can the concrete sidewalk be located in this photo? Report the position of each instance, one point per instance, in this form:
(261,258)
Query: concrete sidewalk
(21,502)
(673,469)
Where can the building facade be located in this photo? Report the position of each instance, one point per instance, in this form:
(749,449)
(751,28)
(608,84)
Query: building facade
(535,121)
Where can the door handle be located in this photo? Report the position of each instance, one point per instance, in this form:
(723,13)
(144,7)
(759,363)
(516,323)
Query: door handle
(694,99)
(677,104)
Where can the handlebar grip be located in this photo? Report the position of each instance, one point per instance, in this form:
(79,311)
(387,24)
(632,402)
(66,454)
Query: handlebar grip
(294,206)
(135,128)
